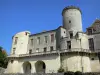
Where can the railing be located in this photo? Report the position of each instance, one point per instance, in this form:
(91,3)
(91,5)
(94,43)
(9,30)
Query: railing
(56,51)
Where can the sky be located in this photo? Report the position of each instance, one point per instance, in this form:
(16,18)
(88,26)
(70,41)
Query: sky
(38,15)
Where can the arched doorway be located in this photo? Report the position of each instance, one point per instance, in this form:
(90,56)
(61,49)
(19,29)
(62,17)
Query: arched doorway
(27,67)
(40,67)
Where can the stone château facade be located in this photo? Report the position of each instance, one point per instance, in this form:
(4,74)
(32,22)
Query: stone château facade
(66,47)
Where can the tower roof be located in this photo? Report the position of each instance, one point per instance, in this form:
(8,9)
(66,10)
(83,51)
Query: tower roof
(70,7)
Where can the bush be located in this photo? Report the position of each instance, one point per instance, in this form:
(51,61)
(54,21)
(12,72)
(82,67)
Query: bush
(69,73)
(60,70)
(78,73)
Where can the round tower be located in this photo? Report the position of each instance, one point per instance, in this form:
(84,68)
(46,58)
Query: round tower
(72,19)
(20,43)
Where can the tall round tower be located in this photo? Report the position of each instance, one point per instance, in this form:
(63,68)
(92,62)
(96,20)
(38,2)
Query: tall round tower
(72,19)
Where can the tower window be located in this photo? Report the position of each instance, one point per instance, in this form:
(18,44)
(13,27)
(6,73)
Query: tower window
(71,34)
(68,44)
(69,21)
(45,49)
(14,49)
(30,51)
(16,39)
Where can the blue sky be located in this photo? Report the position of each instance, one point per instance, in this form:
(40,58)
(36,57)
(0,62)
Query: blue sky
(38,15)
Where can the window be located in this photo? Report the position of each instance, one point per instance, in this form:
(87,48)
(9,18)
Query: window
(38,40)
(69,21)
(37,50)
(46,39)
(26,33)
(64,31)
(45,49)
(12,61)
(71,34)
(51,48)
(16,39)
(31,42)
(68,44)
(89,31)
(52,37)
(30,51)
(91,44)
(92,58)
(14,49)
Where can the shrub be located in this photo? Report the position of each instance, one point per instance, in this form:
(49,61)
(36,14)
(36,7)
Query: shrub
(78,73)
(69,73)
(60,70)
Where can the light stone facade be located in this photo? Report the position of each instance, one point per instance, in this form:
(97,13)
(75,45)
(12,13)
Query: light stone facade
(66,47)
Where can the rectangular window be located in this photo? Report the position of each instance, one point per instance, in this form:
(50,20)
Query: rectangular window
(91,44)
(52,37)
(51,48)
(45,49)
(68,44)
(45,39)
(31,41)
(38,40)
(30,51)
(14,49)
(37,50)
(71,34)
(16,39)
(89,31)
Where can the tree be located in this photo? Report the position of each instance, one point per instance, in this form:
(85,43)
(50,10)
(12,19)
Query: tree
(3,58)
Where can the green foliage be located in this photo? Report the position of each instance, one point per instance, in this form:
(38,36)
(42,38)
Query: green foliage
(69,73)
(60,70)
(78,73)
(3,58)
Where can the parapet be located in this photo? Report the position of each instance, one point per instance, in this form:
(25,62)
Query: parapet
(70,7)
